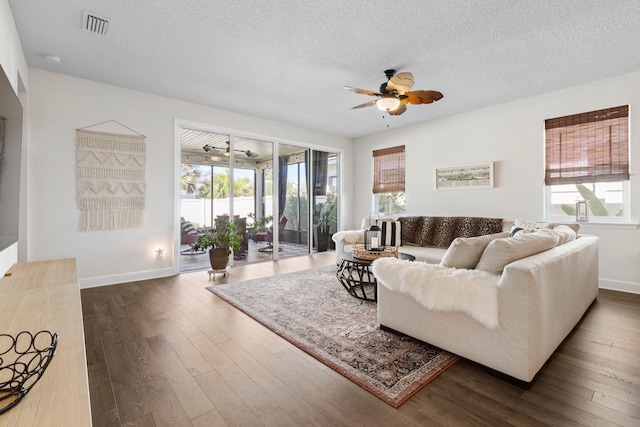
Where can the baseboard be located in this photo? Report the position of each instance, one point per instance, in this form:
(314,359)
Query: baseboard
(619,285)
(94,282)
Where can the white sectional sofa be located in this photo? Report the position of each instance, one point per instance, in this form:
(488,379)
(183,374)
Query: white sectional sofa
(539,300)
(345,240)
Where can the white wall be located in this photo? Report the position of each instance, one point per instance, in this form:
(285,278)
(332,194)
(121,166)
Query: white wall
(512,136)
(14,65)
(59,104)
(11,55)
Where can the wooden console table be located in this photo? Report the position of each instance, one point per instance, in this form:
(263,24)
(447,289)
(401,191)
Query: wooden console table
(44,295)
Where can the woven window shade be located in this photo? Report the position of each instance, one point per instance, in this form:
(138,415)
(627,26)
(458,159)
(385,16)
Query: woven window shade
(588,147)
(388,170)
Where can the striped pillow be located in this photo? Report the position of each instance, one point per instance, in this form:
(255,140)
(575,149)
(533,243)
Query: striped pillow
(188,228)
(391,233)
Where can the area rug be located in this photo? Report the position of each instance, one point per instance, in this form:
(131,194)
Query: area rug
(314,312)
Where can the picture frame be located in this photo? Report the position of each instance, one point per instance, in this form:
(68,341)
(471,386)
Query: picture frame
(477,175)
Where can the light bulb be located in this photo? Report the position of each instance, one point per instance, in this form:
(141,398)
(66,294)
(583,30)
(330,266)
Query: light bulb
(388,103)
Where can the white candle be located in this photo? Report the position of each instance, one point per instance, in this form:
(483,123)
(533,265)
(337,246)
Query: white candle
(374,243)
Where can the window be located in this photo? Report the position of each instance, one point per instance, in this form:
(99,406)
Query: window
(388,180)
(587,158)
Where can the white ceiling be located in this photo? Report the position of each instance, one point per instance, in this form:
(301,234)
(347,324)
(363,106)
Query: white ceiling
(288,60)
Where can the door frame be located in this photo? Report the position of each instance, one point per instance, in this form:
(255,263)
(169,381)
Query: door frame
(182,123)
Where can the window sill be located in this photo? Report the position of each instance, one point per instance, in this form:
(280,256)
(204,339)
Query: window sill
(594,223)
(618,225)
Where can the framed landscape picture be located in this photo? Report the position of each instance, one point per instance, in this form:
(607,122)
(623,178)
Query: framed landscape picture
(479,175)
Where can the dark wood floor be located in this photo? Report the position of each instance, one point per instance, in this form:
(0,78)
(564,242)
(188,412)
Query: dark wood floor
(167,352)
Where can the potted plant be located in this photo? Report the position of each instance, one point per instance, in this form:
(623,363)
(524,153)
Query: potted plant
(324,215)
(220,242)
(259,225)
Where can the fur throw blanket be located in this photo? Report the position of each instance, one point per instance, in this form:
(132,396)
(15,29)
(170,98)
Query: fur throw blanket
(348,236)
(438,288)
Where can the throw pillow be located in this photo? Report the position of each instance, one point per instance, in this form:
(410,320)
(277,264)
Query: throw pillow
(188,228)
(501,252)
(565,234)
(521,224)
(465,252)
(391,233)
(573,226)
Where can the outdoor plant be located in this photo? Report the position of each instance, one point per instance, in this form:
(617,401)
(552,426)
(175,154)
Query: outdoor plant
(323,217)
(227,237)
(324,214)
(596,206)
(261,224)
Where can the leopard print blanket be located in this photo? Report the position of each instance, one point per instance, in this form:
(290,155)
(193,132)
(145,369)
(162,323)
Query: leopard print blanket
(439,232)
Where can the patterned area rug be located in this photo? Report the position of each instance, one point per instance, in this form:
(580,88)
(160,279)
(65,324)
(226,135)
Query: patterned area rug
(314,312)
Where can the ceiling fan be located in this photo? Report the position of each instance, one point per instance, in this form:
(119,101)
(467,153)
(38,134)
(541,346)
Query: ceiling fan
(395,94)
(250,154)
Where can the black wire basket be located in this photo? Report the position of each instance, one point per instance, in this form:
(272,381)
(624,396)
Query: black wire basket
(23,360)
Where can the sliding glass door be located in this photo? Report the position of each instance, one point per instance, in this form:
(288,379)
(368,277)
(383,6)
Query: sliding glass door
(294,199)
(325,199)
(282,197)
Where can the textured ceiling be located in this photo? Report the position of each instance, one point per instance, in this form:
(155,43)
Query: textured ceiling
(288,60)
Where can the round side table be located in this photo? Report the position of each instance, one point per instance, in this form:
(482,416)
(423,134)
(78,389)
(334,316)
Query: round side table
(356,277)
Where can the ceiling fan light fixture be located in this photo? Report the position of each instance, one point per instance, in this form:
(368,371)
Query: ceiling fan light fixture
(388,103)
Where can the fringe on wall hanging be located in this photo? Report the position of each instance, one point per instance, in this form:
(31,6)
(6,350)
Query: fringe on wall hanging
(111,179)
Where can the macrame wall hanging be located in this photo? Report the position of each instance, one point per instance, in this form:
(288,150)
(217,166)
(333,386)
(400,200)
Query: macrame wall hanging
(111,178)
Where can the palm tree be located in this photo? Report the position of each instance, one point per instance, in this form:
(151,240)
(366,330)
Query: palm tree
(242,187)
(189,176)
(204,192)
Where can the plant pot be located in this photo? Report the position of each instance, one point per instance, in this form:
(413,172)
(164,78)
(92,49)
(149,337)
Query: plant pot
(218,258)
(321,239)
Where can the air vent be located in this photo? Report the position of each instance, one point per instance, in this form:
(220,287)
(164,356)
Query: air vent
(95,24)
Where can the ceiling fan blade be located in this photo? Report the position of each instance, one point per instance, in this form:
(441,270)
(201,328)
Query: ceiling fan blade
(401,83)
(401,109)
(362,91)
(423,96)
(211,149)
(366,104)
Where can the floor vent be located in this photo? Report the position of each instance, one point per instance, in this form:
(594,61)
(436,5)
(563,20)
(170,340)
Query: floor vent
(95,24)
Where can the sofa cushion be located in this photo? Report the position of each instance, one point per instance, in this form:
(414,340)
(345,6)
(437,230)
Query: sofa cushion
(521,224)
(501,252)
(565,233)
(423,254)
(465,252)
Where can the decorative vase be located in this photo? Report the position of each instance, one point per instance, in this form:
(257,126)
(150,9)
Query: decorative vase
(218,258)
